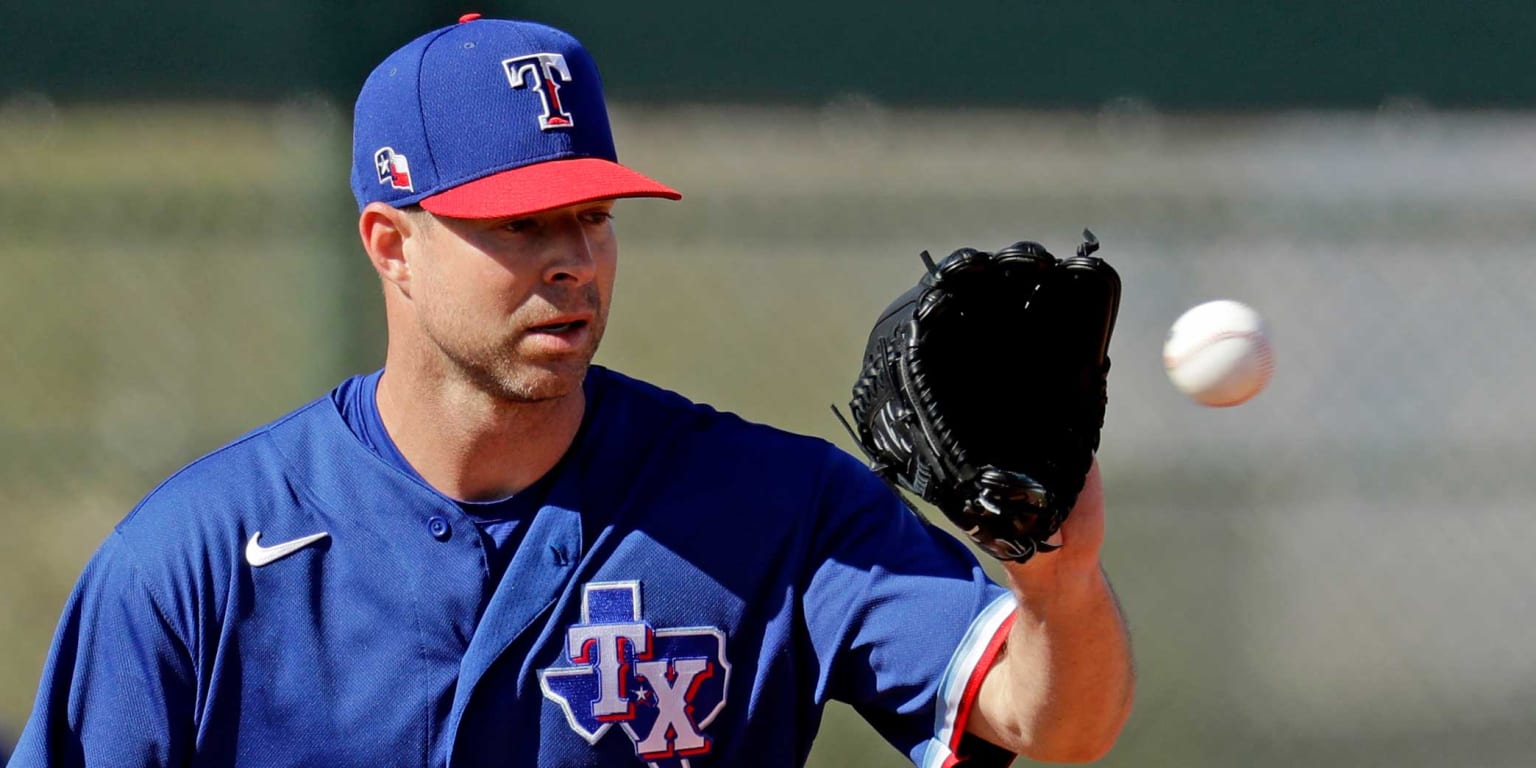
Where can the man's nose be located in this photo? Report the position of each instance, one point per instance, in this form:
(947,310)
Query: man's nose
(571,259)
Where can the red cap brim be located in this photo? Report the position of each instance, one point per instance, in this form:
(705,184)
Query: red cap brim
(542,187)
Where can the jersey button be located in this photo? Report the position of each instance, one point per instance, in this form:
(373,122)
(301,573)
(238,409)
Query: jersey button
(439,528)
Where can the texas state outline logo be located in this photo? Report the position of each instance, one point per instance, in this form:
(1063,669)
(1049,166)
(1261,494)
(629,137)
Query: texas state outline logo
(662,686)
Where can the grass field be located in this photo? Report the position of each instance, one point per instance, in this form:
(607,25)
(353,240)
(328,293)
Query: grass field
(1333,575)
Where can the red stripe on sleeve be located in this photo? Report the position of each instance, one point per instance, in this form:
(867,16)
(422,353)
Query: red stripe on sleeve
(973,687)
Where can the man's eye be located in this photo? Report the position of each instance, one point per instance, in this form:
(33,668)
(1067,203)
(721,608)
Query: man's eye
(597,217)
(520,225)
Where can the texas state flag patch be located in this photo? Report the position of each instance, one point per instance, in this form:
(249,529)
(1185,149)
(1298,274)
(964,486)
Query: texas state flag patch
(394,169)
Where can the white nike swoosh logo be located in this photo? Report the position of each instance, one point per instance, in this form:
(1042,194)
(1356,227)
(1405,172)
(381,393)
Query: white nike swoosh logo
(257,555)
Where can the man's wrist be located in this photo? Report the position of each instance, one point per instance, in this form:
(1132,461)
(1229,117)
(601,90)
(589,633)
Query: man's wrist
(1064,579)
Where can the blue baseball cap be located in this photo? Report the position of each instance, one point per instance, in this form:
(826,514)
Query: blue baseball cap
(488,118)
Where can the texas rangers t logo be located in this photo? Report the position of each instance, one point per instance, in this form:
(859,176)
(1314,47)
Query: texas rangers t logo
(662,686)
(548,70)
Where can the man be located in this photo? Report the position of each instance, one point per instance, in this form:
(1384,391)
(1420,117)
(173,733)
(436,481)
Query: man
(493,553)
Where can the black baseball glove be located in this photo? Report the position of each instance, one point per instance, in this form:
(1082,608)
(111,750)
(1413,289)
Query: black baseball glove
(983,389)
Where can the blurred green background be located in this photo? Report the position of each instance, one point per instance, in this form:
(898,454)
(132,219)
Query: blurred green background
(1335,574)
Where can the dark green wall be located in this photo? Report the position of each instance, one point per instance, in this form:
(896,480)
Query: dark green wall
(1189,54)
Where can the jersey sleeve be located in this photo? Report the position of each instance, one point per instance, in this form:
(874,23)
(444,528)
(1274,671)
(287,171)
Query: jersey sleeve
(117,688)
(904,621)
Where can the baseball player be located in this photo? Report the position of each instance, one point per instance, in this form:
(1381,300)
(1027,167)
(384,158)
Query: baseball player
(493,553)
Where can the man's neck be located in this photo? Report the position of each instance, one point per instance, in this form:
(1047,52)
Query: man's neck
(470,445)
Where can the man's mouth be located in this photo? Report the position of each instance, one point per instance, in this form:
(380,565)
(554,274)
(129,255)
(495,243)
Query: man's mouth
(560,327)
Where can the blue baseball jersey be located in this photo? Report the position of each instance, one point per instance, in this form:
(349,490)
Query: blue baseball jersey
(691,590)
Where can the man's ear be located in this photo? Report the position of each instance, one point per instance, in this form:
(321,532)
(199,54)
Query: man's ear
(384,230)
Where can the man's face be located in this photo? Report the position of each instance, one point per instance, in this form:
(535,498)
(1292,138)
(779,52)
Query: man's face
(517,305)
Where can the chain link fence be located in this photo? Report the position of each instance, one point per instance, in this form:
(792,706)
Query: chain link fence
(1334,574)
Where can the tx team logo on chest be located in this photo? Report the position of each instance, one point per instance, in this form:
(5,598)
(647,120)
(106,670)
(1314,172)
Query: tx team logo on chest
(663,686)
(545,72)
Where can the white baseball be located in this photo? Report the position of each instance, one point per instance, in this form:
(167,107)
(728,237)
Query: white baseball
(1218,353)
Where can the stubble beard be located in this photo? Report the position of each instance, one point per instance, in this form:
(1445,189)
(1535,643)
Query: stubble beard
(501,371)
